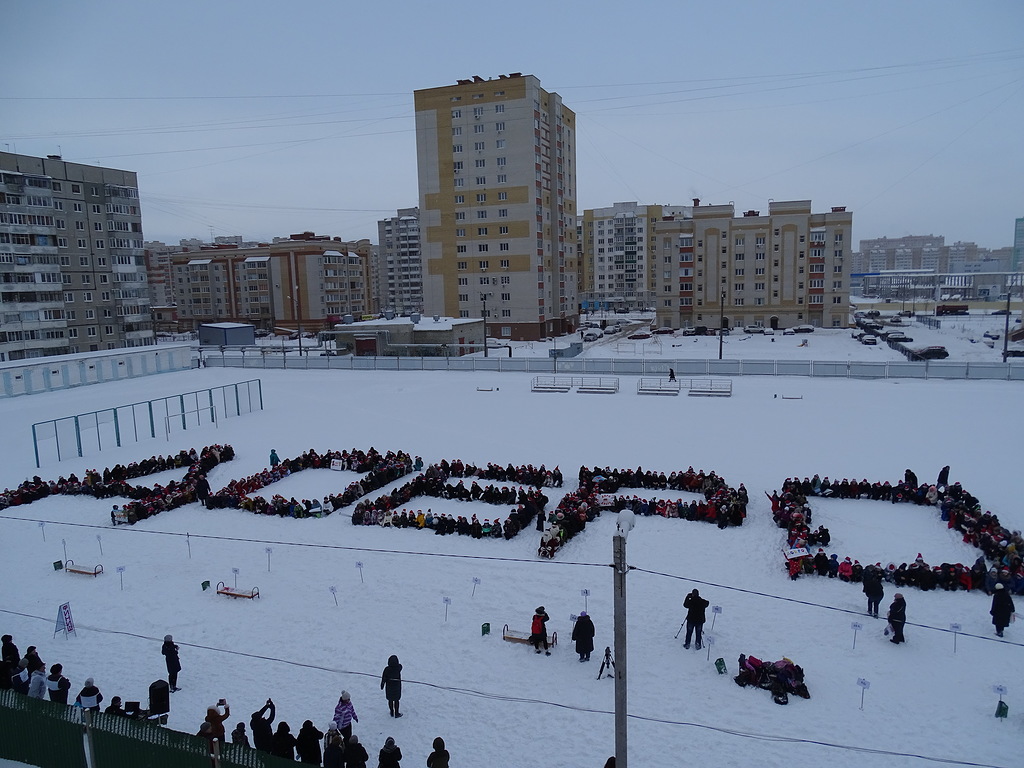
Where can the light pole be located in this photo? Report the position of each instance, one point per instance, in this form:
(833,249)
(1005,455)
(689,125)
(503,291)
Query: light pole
(721,325)
(483,298)
(1006,325)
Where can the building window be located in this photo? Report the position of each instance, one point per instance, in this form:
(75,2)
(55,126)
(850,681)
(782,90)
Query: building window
(481,197)
(478,146)
(460,249)
(484,264)
(463,281)
(503,247)
(502,162)
(456,148)
(502,178)
(481,230)
(499,107)
(481,181)
(459,183)
(478,111)
(460,199)
(502,230)
(460,232)
(456,113)
(478,128)
(461,265)
(460,215)
(482,248)
(457,130)
(463,297)
(481,163)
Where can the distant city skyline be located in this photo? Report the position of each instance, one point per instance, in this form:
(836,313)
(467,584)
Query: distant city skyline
(262,120)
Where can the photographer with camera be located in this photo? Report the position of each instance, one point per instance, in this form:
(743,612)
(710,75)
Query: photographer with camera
(215,716)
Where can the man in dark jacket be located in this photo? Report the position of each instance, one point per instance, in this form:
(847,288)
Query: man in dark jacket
(696,607)
(1002,608)
(170,652)
(539,630)
(897,618)
(262,735)
(10,652)
(391,684)
(57,685)
(583,634)
(355,753)
(873,588)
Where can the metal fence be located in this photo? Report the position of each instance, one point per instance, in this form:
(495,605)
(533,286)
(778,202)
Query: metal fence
(51,735)
(847,369)
(90,432)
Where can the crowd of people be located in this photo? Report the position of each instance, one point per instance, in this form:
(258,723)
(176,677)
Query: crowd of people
(145,502)
(999,565)
(339,747)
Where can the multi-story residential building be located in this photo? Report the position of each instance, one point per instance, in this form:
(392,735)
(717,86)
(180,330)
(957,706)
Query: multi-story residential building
(306,280)
(399,283)
(787,268)
(618,254)
(73,270)
(1018,245)
(497,190)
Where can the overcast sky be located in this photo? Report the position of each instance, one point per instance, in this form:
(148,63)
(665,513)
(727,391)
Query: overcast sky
(266,118)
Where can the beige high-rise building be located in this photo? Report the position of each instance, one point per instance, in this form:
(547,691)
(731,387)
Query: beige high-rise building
(788,268)
(619,254)
(307,280)
(497,190)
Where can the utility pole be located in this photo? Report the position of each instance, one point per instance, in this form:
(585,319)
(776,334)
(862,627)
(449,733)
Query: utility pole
(621,569)
(298,318)
(483,298)
(721,324)
(1006,326)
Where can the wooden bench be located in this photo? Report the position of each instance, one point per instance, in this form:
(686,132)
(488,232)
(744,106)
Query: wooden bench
(649,386)
(710,388)
(248,594)
(85,570)
(510,635)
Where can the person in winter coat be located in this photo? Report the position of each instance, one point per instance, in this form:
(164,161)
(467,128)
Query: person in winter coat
(216,719)
(21,677)
(57,685)
(334,752)
(390,754)
(260,722)
(583,634)
(239,736)
(439,757)
(37,683)
(897,618)
(170,652)
(355,753)
(873,588)
(696,614)
(274,460)
(10,652)
(344,714)
(943,480)
(1002,608)
(202,489)
(539,630)
(307,743)
(391,684)
(89,697)
(284,742)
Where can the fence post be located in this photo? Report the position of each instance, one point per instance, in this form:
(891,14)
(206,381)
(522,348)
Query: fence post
(78,437)
(90,749)
(117,429)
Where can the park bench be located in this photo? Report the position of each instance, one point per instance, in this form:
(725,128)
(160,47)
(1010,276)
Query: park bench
(657,386)
(512,636)
(710,388)
(85,570)
(248,594)
(603,385)
(551,383)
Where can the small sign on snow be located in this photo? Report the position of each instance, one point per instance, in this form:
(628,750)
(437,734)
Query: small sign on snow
(856,626)
(716,609)
(585,593)
(446,600)
(573,617)
(120,569)
(333,589)
(863,683)
(359,564)
(234,571)
(709,639)
(955,627)
(1000,689)
(476,579)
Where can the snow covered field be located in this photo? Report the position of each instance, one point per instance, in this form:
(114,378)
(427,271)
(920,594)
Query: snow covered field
(498,704)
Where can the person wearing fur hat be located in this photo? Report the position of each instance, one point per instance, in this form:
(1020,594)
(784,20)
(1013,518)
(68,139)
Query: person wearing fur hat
(391,684)
(1002,608)
(344,714)
(390,754)
(539,630)
(583,634)
(170,652)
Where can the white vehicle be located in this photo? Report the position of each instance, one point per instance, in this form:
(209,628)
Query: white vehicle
(592,334)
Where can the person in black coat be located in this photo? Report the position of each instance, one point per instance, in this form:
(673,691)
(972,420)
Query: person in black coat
(10,652)
(1002,608)
(873,588)
(334,753)
(897,618)
(202,489)
(943,480)
(391,684)
(583,634)
(696,614)
(57,685)
(439,758)
(307,743)
(170,652)
(390,754)
(284,742)
(259,723)
(355,753)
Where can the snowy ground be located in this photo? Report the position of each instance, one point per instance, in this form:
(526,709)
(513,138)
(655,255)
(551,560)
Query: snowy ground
(495,703)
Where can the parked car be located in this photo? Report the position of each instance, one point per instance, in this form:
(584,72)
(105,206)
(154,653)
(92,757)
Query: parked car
(869,340)
(898,336)
(592,334)
(803,329)
(639,335)
(753,329)
(622,311)
(931,353)
(768,331)
(788,332)
(1000,312)
(261,333)
(665,330)
(906,313)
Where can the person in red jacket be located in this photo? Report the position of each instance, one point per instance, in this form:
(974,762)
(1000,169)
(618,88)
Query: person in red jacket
(539,630)
(216,719)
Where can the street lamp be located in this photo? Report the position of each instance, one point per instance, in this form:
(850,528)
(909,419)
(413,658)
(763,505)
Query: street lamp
(721,324)
(483,298)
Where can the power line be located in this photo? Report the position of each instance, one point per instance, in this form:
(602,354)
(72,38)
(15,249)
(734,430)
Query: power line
(472,692)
